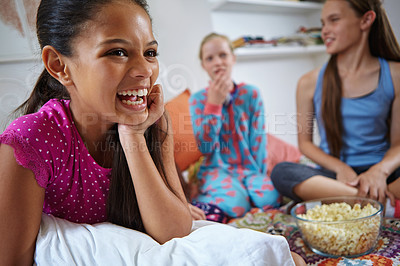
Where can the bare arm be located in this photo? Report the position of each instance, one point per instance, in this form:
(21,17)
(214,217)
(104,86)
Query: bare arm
(305,127)
(172,173)
(305,115)
(21,205)
(391,161)
(373,182)
(165,214)
(305,122)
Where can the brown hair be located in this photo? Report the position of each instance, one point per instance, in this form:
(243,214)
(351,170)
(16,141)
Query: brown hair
(210,37)
(382,43)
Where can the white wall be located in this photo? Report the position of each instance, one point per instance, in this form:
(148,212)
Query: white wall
(179,26)
(16,82)
(392,8)
(277,77)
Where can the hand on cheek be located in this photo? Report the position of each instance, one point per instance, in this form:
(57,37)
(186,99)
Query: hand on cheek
(155,109)
(155,103)
(219,88)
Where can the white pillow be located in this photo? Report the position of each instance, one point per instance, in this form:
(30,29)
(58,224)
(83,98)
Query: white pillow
(61,242)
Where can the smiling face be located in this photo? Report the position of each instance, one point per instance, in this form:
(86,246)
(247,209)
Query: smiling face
(341,27)
(217,57)
(113,66)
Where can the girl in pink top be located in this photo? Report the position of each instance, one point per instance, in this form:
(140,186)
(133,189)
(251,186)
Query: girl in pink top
(93,144)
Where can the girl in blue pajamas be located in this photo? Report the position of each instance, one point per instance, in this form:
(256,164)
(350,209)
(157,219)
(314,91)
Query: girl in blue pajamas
(229,126)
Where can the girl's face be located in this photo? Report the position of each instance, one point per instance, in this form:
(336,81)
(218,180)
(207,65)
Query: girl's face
(217,57)
(341,27)
(114,66)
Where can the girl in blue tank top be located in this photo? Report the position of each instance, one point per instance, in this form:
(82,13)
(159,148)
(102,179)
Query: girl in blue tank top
(355,99)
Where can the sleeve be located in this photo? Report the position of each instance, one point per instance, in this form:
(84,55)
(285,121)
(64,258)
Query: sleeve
(258,134)
(27,156)
(206,121)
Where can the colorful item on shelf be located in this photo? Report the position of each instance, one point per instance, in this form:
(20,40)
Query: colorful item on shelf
(303,37)
(248,40)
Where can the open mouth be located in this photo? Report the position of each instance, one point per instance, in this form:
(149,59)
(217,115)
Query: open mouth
(218,71)
(133,97)
(328,41)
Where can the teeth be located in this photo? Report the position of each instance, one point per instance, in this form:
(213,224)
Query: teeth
(128,102)
(141,92)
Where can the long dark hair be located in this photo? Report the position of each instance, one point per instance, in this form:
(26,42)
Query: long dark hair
(58,23)
(382,43)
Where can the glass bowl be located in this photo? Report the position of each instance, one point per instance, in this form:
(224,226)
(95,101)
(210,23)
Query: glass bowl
(339,226)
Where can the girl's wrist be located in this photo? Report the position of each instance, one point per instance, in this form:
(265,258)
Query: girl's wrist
(341,166)
(381,169)
(214,101)
(133,142)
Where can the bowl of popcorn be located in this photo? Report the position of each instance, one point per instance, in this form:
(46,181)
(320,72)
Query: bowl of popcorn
(340,226)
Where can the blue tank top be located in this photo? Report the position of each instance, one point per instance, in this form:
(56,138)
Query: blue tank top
(365,139)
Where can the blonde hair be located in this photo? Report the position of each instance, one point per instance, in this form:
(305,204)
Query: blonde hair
(211,36)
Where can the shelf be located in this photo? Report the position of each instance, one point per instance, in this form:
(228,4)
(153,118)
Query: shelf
(300,7)
(251,53)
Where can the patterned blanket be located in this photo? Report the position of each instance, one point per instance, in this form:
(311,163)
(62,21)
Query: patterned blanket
(387,251)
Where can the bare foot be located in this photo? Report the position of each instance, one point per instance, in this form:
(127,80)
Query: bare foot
(298,260)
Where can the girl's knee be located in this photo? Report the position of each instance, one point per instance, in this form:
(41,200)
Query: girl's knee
(235,207)
(233,203)
(266,199)
(279,170)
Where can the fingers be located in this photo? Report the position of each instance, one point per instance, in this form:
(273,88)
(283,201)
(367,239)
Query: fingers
(155,89)
(391,197)
(376,193)
(222,83)
(198,216)
(155,103)
(353,183)
(155,107)
(363,190)
(373,193)
(381,197)
(219,88)
(197,213)
(155,95)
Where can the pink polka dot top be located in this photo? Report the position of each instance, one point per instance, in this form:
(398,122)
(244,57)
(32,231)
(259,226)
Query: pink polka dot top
(48,143)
